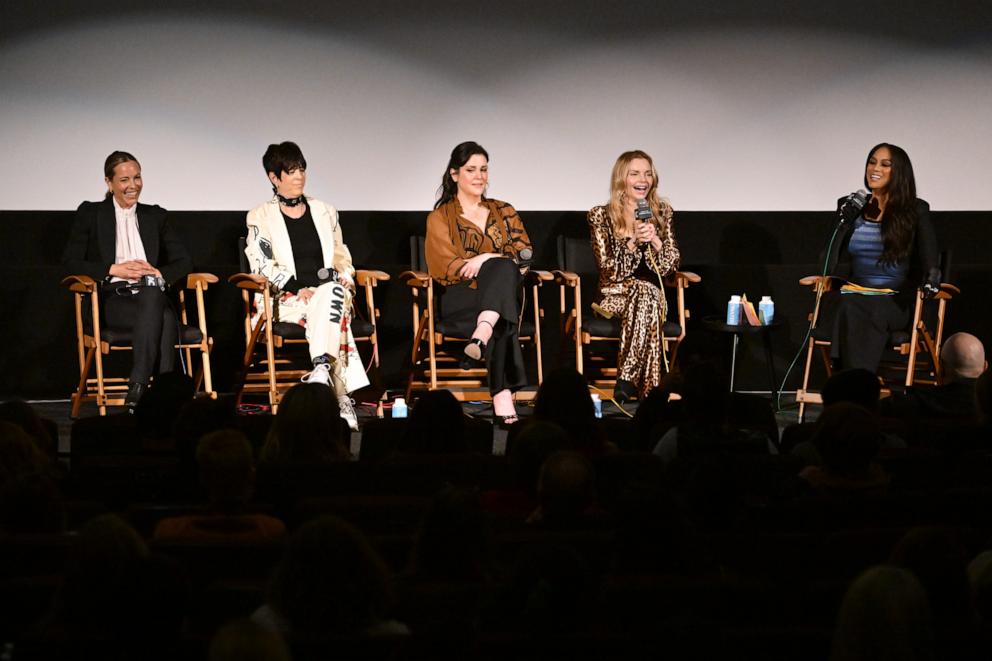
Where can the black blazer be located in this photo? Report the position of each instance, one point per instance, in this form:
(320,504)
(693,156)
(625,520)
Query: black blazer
(923,257)
(92,246)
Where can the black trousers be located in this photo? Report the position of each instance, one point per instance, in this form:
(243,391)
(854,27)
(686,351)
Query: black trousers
(152,322)
(861,325)
(499,289)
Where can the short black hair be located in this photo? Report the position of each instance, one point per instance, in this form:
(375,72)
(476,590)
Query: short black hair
(284,157)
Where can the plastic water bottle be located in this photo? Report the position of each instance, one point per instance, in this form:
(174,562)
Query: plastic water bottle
(766,310)
(399,408)
(597,404)
(734,311)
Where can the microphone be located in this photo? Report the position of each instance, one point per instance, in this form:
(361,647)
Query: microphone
(643,210)
(525,257)
(852,206)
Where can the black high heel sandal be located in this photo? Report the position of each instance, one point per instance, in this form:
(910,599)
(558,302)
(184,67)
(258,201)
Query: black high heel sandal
(624,391)
(475,350)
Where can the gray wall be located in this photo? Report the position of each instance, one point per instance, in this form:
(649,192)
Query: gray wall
(768,106)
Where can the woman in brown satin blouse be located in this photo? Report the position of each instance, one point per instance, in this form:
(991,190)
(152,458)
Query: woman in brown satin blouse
(474,247)
(629,283)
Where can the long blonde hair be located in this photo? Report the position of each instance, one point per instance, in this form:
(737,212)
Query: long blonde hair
(660,206)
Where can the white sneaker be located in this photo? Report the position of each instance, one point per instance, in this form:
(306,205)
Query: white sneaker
(348,412)
(321,373)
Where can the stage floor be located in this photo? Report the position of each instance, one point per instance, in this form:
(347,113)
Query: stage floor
(58,410)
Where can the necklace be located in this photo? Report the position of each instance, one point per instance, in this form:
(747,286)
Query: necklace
(292,201)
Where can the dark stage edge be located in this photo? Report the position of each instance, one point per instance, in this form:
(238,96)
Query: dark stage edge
(58,410)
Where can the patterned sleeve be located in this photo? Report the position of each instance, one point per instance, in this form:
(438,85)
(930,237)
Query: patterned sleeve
(260,256)
(443,262)
(518,238)
(600,232)
(668,257)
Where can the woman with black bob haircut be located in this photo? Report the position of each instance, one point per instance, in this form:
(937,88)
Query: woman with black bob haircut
(295,241)
(478,248)
(888,248)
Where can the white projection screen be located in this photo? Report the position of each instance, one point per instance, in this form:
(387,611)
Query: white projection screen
(768,106)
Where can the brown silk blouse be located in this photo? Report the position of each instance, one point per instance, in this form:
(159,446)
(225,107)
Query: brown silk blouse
(453,239)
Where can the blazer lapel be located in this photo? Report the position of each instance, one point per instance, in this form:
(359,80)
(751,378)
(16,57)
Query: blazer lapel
(148,233)
(106,222)
(324,225)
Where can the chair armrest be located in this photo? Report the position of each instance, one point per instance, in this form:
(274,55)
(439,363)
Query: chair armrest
(947,292)
(683,278)
(537,277)
(82,284)
(416,279)
(202,278)
(365,276)
(814,280)
(250,281)
(566,278)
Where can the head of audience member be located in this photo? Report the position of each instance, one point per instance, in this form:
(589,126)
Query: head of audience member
(962,357)
(452,542)
(656,415)
(884,615)
(848,440)
(436,425)
(160,406)
(566,487)
(198,417)
(330,581)
(31,503)
(227,469)
(536,441)
(286,169)
(105,564)
(245,640)
(19,453)
(564,398)
(856,386)
(23,414)
(307,429)
(460,157)
(122,173)
(705,397)
(938,559)
(980,579)
(552,590)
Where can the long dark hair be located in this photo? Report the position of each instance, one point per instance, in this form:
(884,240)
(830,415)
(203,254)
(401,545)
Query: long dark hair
(459,157)
(899,220)
(109,165)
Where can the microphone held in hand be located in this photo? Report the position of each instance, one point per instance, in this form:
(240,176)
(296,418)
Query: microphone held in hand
(525,257)
(852,206)
(643,210)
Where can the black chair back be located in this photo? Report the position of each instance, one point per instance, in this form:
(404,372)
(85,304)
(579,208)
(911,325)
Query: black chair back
(575,255)
(242,257)
(418,260)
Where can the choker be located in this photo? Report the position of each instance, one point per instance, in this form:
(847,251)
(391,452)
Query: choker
(292,201)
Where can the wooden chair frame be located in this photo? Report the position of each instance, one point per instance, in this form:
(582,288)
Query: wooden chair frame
(110,391)
(604,368)
(921,340)
(443,367)
(272,374)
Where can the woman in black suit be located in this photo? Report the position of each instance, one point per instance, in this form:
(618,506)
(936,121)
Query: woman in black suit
(888,247)
(118,242)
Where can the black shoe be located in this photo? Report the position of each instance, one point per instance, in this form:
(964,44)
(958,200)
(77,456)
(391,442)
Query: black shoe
(475,351)
(624,391)
(135,392)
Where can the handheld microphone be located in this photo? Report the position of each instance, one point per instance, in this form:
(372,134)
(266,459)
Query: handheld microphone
(643,210)
(852,206)
(525,257)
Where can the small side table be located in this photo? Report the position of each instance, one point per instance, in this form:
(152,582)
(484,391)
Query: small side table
(717,325)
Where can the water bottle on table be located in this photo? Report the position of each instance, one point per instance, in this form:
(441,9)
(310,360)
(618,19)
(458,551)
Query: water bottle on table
(766,310)
(734,311)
